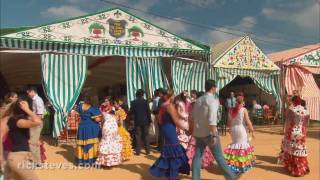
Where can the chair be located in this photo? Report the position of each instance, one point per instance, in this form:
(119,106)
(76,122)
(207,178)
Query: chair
(70,132)
(257,117)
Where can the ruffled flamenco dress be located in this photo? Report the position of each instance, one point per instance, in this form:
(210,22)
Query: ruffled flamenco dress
(173,159)
(87,136)
(207,157)
(110,146)
(127,151)
(293,153)
(239,155)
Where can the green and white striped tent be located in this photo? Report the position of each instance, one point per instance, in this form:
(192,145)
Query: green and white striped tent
(241,57)
(66,48)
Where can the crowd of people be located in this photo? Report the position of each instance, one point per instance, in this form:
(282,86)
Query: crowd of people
(187,136)
(21,124)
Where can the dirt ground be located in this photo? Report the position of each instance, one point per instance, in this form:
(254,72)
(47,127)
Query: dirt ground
(267,144)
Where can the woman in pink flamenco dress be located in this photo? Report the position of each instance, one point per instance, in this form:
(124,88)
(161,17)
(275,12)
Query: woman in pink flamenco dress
(183,106)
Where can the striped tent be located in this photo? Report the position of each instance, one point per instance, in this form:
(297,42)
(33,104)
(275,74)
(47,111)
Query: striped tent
(146,74)
(63,77)
(113,32)
(241,57)
(299,65)
(188,75)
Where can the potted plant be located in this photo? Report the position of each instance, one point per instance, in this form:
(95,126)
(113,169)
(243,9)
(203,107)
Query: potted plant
(97,29)
(136,32)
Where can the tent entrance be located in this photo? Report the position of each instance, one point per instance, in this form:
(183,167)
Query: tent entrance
(250,89)
(107,75)
(252,92)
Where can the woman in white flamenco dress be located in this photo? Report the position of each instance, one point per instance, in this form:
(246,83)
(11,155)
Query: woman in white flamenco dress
(111,144)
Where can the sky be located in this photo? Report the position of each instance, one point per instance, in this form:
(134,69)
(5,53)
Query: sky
(274,25)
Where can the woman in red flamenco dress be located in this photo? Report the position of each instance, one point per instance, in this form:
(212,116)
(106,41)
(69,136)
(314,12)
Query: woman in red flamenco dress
(293,153)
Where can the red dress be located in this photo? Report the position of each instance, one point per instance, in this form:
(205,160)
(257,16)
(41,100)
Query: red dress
(293,149)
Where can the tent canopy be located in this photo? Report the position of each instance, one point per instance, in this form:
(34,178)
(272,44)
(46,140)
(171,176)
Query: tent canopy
(307,56)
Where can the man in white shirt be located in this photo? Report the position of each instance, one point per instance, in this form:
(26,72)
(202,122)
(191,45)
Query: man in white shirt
(39,109)
(255,106)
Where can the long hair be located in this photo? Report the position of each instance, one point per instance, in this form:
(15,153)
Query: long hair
(8,96)
(14,109)
(234,111)
(181,97)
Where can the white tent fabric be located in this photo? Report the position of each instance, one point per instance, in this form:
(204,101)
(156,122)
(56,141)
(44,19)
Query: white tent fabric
(146,74)
(63,78)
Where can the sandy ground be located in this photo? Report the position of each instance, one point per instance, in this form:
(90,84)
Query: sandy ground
(267,144)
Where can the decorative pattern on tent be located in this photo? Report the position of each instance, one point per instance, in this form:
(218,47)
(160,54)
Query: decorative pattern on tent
(95,50)
(112,27)
(188,76)
(297,78)
(245,59)
(268,82)
(245,55)
(309,59)
(63,78)
(146,74)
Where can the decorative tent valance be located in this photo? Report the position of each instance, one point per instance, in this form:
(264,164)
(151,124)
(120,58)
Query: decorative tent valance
(111,32)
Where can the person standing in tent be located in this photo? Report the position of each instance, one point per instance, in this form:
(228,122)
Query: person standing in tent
(88,130)
(231,101)
(239,154)
(142,118)
(203,123)
(121,115)
(35,132)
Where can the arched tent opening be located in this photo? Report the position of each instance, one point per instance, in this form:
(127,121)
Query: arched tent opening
(252,91)
(110,48)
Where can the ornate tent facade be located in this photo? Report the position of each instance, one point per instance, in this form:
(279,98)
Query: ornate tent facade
(65,49)
(241,57)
